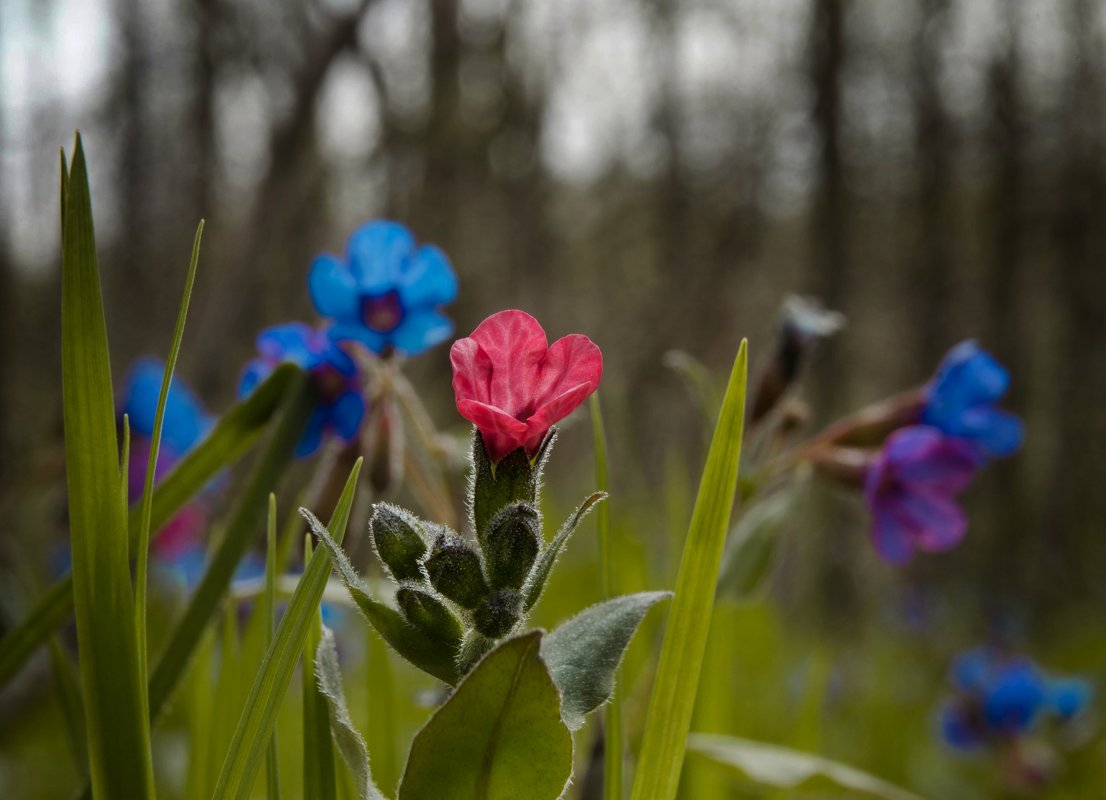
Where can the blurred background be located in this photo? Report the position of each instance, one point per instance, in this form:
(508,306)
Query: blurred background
(656,173)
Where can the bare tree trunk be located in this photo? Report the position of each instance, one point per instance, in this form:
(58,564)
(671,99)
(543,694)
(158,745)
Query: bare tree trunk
(933,262)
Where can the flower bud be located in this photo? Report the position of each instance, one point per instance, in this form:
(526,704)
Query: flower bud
(429,614)
(514,479)
(497,614)
(454,570)
(511,545)
(399,541)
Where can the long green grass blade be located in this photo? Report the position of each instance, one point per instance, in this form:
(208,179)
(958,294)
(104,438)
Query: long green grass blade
(142,566)
(240,531)
(69,698)
(268,611)
(612,714)
(234,434)
(319,776)
(673,700)
(251,738)
(115,719)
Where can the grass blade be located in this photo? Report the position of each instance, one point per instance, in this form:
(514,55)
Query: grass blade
(117,726)
(673,699)
(234,434)
(240,530)
(142,567)
(69,698)
(268,612)
(319,777)
(251,738)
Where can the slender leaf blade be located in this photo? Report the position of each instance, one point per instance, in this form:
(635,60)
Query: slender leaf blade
(235,433)
(255,726)
(117,725)
(539,574)
(673,700)
(792,770)
(319,776)
(240,531)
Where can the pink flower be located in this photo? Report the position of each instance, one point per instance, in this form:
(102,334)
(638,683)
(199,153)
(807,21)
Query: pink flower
(512,385)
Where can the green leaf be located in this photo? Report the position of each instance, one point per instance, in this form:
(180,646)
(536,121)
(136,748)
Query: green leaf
(320,781)
(142,567)
(69,698)
(429,655)
(268,611)
(751,548)
(499,737)
(531,591)
(782,768)
(255,727)
(234,434)
(677,681)
(115,711)
(348,739)
(246,515)
(584,653)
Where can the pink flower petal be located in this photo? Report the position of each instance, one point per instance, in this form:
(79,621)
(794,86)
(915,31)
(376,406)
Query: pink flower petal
(515,346)
(502,433)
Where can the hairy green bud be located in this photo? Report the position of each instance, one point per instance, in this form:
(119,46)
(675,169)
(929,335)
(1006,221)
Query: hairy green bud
(429,614)
(454,570)
(497,615)
(512,544)
(399,540)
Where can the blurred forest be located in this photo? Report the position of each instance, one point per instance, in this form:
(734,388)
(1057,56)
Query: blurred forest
(658,174)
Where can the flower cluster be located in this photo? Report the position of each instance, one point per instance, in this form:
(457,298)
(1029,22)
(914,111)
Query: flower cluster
(185,423)
(1001,698)
(385,295)
(911,485)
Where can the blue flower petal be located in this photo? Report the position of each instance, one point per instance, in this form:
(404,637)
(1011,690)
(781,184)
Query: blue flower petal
(1069,696)
(312,434)
(353,332)
(957,730)
(333,288)
(376,253)
(255,372)
(421,330)
(427,279)
(292,341)
(185,419)
(996,432)
(346,415)
(1015,699)
(971,670)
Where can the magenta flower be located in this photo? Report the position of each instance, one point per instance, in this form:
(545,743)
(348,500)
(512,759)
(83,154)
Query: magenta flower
(911,487)
(512,385)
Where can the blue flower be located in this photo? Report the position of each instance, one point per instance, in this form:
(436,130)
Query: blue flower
(185,422)
(960,401)
(386,292)
(1002,697)
(341,405)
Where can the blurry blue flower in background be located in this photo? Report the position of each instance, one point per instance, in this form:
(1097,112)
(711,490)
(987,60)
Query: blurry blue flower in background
(341,404)
(960,401)
(387,290)
(1003,697)
(910,489)
(185,424)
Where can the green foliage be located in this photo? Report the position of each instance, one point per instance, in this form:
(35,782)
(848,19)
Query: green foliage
(255,727)
(499,737)
(319,777)
(535,583)
(673,699)
(346,736)
(114,696)
(233,436)
(583,653)
(783,768)
(494,486)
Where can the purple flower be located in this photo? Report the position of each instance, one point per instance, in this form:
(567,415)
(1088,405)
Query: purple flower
(387,290)
(341,405)
(910,488)
(960,401)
